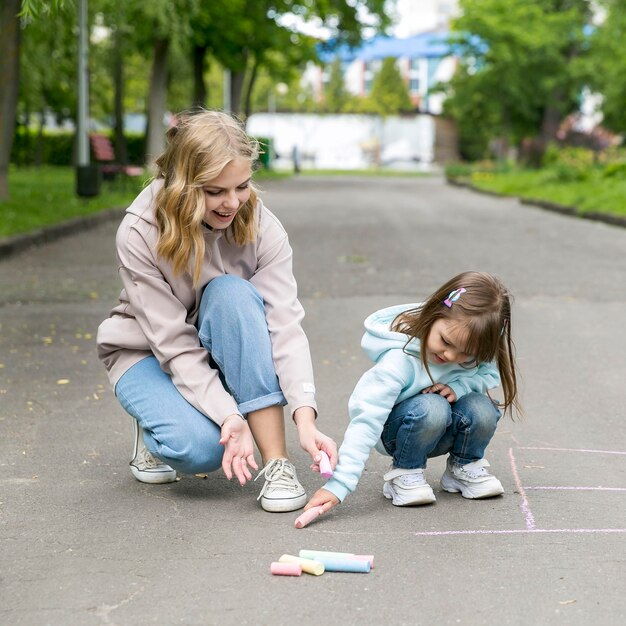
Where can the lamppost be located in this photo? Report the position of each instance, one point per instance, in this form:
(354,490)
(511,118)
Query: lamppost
(87,175)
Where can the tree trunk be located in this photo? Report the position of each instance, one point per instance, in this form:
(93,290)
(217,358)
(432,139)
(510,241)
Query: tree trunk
(199,84)
(9,81)
(551,119)
(250,88)
(39,144)
(157,97)
(236,88)
(121,150)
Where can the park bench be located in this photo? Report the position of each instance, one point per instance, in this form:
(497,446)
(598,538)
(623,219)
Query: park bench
(103,153)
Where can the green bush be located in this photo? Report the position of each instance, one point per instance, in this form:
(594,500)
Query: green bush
(615,170)
(57,148)
(564,173)
(51,148)
(568,165)
(458,170)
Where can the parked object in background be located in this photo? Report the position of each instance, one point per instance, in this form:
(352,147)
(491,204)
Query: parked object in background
(104,155)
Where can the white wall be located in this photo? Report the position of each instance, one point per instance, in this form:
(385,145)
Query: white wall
(347,141)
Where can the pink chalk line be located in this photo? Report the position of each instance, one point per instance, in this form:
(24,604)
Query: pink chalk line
(529,531)
(580,488)
(530,520)
(571,450)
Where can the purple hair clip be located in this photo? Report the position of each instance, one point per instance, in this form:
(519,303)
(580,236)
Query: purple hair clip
(454,296)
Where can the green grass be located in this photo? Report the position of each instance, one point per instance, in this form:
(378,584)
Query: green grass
(598,194)
(46,195)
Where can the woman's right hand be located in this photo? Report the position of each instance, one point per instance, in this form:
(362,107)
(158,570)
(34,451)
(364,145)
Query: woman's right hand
(238,449)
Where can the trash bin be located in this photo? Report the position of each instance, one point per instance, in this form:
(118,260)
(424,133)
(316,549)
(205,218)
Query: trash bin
(265,156)
(88,180)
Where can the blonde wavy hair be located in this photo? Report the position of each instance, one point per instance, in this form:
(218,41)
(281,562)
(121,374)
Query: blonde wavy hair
(198,148)
(484,311)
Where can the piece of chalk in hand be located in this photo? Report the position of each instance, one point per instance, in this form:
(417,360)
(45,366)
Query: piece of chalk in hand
(325,468)
(308,516)
(286,569)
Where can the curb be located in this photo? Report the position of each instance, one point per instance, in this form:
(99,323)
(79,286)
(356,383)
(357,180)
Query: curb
(17,243)
(607,218)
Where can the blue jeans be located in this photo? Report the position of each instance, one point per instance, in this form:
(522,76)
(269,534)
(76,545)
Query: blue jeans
(232,327)
(427,425)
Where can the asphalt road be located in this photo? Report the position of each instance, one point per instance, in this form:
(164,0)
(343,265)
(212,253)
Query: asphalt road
(83,543)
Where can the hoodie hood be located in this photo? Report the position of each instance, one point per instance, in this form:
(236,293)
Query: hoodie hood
(143,205)
(379,338)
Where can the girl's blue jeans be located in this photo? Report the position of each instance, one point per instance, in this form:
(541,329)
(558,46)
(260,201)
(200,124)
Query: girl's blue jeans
(233,329)
(427,425)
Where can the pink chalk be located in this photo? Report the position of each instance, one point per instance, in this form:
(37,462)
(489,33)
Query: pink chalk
(286,569)
(364,557)
(308,516)
(325,468)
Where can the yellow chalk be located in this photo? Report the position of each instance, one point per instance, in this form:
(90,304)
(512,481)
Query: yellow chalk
(308,565)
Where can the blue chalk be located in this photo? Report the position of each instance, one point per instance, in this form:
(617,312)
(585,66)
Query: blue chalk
(335,564)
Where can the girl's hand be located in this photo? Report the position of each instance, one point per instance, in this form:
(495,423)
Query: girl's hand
(442,390)
(238,449)
(322,498)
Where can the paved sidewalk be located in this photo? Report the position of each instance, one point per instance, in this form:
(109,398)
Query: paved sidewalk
(83,543)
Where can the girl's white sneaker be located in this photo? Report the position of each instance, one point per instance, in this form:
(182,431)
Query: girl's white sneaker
(472,480)
(407,487)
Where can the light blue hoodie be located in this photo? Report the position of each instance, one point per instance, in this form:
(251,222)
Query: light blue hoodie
(397,375)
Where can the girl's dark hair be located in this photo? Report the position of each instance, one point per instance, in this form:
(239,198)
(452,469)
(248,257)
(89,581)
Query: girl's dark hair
(484,310)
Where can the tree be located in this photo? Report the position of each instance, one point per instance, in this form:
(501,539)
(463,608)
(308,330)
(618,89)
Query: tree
(46,42)
(335,94)
(9,77)
(390,95)
(9,74)
(255,33)
(608,64)
(523,57)
(159,25)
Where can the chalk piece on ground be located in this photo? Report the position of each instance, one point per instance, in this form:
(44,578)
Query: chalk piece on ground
(308,516)
(347,564)
(313,554)
(325,469)
(308,565)
(286,569)
(365,557)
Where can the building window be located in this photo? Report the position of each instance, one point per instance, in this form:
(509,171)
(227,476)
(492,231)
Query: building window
(370,70)
(414,76)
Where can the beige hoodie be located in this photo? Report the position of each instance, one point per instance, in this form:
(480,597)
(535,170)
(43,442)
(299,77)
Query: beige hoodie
(157,310)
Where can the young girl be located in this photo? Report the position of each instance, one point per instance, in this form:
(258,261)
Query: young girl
(427,395)
(205,346)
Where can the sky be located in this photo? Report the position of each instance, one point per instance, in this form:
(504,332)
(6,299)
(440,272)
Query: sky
(412,16)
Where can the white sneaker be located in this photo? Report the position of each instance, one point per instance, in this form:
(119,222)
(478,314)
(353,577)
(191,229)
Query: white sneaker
(282,491)
(407,487)
(472,480)
(145,467)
